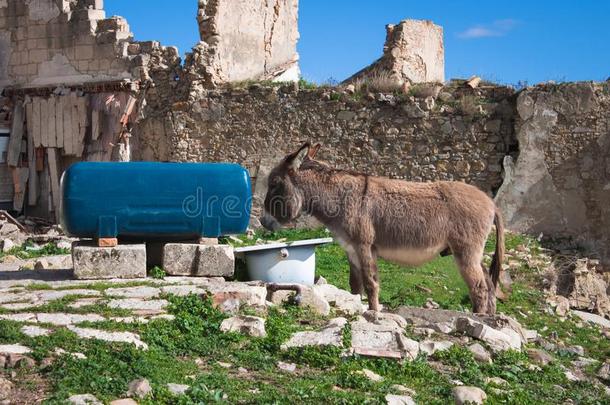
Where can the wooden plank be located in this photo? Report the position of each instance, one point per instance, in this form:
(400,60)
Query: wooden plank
(82,125)
(95,116)
(33,177)
(59,122)
(39,159)
(14,146)
(44,117)
(20,179)
(36,121)
(54,175)
(75,123)
(51,139)
(29,120)
(67,125)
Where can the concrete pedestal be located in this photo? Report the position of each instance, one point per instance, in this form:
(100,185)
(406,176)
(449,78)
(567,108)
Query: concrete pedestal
(189,259)
(123,261)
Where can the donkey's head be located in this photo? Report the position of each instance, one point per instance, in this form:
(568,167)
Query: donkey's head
(284,200)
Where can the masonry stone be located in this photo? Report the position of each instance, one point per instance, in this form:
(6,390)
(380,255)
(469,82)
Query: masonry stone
(122,261)
(184,259)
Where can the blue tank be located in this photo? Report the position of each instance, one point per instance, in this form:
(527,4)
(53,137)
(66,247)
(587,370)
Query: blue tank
(155,201)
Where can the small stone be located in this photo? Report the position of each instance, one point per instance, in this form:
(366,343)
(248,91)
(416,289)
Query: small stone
(247,325)
(496,381)
(26,363)
(7,245)
(577,350)
(287,367)
(343,301)
(124,337)
(331,335)
(5,389)
(539,357)
(563,306)
(371,375)
(137,304)
(133,292)
(224,365)
(431,304)
(479,353)
(321,281)
(84,399)
(139,388)
(604,371)
(464,395)
(14,349)
(402,389)
(242,370)
(309,298)
(430,347)
(392,399)
(350,89)
(178,389)
(34,331)
(497,340)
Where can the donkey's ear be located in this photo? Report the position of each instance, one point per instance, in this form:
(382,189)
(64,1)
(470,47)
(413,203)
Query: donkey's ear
(295,159)
(314,150)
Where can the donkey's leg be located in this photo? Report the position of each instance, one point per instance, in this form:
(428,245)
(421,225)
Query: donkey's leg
(355,276)
(468,259)
(368,265)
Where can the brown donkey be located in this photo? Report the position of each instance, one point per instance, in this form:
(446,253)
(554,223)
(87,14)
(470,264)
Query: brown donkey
(404,222)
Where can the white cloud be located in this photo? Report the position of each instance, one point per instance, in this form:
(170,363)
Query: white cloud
(498,28)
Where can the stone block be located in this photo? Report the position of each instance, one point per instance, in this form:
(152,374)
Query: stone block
(123,261)
(190,259)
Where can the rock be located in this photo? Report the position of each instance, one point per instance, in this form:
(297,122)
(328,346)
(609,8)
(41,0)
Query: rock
(563,306)
(539,357)
(577,350)
(61,319)
(496,381)
(26,363)
(5,389)
(228,295)
(583,362)
(84,399)
(34,331)
(464,395)
(343,301)
(392,399)
(187,259)
(446,328)
(133,292)
(371,375)
(137,304)
(224,365)
(64,244)
(139,388)
(124,337)
(7,245)
(383,338)
(122,261)
(331,335)
(385,317)
(177,389)
(604,371)
(321,281)
(247,325)
(479,353)
(54,262)
(592,318)
(14,349)
(350,89)
(402,389)
(287,367)
(497,340)
(430,347)
(309,298)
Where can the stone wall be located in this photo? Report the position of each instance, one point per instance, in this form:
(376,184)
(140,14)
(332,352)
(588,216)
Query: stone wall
(560,183)
(461,134)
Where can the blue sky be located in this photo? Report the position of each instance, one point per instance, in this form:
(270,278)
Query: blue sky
(503,41)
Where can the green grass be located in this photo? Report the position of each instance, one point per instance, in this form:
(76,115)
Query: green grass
(187,349)
(22,252)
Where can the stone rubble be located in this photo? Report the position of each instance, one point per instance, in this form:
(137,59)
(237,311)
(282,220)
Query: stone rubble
(330,335)
(247,325)
(177,389)
(392,399)
(84,399)
(468,395)
(123,337)
(139,388)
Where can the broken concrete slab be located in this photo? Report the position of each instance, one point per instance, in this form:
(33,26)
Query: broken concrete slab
(343,301)
(309,298)
(230,296)
(122,261)
(122,337)
(330,335)
(189,259)
(384,338)
(247,325)
(592,318)
(137,304)
(497,340)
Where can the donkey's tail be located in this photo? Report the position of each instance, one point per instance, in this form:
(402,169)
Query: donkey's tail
(496,263)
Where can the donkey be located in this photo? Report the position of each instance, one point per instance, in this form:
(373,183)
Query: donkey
(404,222)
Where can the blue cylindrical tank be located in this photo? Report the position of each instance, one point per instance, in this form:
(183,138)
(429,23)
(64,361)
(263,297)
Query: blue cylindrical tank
(148,200)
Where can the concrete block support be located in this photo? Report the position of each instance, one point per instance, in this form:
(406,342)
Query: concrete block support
(189,259)
(123,261)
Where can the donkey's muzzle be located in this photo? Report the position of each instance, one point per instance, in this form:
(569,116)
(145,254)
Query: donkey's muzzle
(269,222)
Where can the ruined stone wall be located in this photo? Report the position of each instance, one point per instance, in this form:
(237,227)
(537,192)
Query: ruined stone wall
(245,39)
(560,184)
(461,134)
(45,42)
